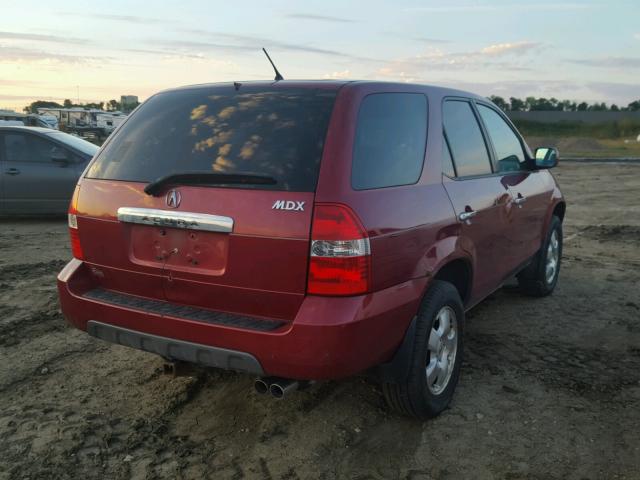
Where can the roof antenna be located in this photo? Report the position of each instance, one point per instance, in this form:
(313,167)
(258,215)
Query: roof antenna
(278,76)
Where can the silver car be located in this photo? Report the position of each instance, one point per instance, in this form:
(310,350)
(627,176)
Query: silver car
(39,169)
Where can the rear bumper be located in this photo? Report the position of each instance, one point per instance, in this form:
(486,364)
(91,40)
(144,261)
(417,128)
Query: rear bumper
(329,338)
(176,349)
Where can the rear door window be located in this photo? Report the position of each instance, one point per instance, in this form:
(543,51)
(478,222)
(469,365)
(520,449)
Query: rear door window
(79,144)
(390,140)
(468,147)
(278,133)
(16,148)
(27,148)
(509,152)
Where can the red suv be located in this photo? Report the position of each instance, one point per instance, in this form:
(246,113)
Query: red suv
(310,230)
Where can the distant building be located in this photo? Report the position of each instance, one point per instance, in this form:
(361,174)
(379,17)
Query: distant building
(128,102)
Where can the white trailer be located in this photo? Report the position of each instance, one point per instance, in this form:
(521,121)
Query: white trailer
(109,121)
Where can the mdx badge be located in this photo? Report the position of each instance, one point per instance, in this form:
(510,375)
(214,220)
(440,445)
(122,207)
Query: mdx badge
(173,198)
(288,205)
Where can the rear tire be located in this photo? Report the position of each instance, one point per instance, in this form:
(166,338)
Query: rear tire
(436,356)
(540,278)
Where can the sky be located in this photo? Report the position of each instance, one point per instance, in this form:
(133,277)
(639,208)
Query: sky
(578,50)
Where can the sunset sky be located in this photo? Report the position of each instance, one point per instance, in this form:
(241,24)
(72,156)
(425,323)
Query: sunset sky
(580,50)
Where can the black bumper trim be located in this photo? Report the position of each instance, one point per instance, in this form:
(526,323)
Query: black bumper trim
(182,311)
(173,349)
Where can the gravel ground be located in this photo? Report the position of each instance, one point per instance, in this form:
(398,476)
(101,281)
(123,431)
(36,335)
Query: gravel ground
(550,388)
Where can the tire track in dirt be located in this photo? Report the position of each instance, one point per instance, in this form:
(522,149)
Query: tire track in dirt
(584,371)
(23,327)
(29,271)
(547,389)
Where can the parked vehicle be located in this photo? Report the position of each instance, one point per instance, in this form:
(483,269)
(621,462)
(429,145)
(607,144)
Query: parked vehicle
(45,121)
(90,123)
(108,122)
(9,117)
(39,169)
(310,230)
(11,123)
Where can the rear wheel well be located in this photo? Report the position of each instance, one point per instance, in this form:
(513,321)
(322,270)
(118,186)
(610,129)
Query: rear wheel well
(559,210)
(458,273)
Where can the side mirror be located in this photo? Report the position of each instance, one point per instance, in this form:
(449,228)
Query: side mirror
(509,164)
(61,156)
(546,157)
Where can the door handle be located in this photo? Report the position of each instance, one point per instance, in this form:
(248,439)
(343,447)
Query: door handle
(519,200)
(467,215)
(12,171)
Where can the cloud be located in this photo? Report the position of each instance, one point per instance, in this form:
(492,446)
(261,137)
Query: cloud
(338,75)
(42,38)
(636,36)
(234,43)
(619,93)
(6,97)
(17,83)
(521,88)
(194,47)
(178,55)
(319,18)
(430,40)
(624,93)
(138,20)
(609,62)
(10,54)
(474,8)
(255,47)
(166,53)
(415,39)
(498,57)
(508,48)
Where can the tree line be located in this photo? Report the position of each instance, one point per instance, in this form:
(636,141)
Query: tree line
(529,104)
(110,106)
(532,104)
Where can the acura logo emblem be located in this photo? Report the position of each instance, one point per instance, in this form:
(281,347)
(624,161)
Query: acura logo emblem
(173,198)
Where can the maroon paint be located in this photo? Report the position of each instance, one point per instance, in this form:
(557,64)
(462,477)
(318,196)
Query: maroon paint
(261,268)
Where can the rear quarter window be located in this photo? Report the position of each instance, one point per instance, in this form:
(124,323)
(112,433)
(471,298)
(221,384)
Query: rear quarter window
(390,140)
(278,133)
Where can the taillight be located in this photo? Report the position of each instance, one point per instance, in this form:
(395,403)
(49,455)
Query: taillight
(76,248)
(340,261)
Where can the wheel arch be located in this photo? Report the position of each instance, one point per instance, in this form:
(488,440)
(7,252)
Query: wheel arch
(556,209)
(459,272)
(559,209)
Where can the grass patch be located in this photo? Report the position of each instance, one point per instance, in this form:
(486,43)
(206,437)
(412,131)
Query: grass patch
(587,147)
(625,128)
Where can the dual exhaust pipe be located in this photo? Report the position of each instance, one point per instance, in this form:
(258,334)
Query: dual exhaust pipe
(277,387)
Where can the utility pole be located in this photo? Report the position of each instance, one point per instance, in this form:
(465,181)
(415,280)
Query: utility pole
(78,89)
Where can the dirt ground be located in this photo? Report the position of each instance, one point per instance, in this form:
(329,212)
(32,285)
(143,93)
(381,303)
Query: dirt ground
(550,388)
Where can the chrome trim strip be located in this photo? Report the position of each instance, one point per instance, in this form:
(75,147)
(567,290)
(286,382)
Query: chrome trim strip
(166,218)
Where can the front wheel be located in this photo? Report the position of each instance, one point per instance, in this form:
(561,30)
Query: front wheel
(436,356)
(540,277)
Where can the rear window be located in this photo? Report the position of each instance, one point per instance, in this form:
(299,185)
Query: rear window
(278,133)
(390,140)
